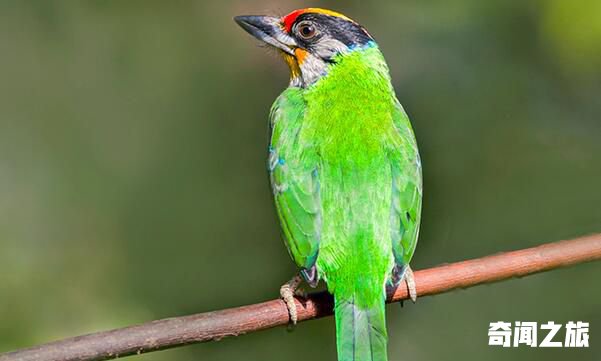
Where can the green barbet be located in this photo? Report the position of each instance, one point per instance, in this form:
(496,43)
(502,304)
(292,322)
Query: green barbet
(345,171)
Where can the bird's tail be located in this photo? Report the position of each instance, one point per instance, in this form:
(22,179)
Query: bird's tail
(360,330)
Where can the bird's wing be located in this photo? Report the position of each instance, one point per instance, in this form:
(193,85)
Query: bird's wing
(294,179)
(406,189)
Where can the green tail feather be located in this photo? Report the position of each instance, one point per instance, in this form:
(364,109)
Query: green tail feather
(360,332)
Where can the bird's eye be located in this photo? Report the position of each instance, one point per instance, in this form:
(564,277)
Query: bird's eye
(306,30)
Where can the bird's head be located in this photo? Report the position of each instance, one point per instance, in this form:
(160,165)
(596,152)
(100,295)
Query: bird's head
(310,40)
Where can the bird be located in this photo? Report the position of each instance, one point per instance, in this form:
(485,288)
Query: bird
(345,172)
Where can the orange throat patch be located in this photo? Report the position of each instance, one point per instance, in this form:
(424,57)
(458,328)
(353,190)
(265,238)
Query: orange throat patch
(294,62)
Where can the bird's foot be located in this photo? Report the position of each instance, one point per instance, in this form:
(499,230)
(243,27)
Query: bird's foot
(288,291)
(410,281)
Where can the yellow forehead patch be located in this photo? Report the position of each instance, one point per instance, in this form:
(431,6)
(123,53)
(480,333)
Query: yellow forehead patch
(327,12)
(290,19)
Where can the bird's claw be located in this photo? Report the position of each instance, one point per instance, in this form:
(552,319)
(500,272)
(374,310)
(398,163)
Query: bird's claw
(300,292)
(410,281)
(287,292)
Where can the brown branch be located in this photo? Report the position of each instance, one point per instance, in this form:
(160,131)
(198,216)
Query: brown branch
(211,326)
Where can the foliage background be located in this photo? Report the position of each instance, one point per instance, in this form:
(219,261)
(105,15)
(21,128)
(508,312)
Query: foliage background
(132,167)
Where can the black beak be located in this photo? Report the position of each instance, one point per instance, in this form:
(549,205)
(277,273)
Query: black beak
(268,30)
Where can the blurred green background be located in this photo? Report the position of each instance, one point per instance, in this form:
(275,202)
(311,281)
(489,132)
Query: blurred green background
(133,183)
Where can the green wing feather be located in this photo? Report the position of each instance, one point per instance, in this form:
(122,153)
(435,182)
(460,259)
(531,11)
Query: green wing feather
(406,189)
(294,179)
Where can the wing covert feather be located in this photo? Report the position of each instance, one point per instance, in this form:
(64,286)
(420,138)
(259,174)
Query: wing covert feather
(294,179)
(406,189)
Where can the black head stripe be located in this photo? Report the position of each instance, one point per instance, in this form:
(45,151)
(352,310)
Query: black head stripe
(346,31)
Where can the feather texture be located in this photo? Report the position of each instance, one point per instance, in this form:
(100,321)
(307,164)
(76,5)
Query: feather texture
(346,178)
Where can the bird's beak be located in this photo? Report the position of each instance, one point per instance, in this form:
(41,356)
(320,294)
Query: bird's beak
(269,30)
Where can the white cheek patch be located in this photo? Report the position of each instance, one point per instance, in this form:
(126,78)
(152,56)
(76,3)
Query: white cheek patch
(312,69)
(315,64)
(328,47)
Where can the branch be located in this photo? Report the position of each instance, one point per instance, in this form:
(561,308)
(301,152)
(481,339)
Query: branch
(213,326)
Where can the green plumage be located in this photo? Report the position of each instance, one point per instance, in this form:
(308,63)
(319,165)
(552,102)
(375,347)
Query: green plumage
(346,177)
